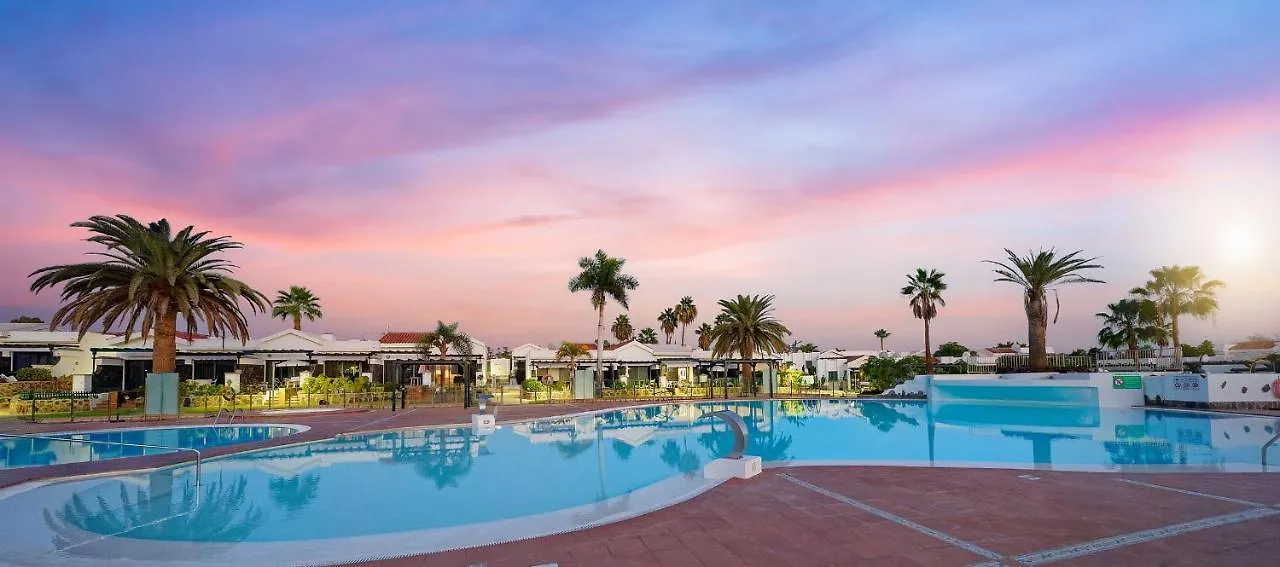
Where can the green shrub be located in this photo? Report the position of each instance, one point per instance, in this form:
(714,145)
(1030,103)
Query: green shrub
(533,386)
(33,374)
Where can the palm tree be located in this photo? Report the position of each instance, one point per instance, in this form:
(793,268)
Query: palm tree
(704,336)
(925,290)
(602,276)
(647,336)
(1128,323)
(621,328)
(446,337)
(668,321)
(571,353)
(1037,273)
(746,326)
(150,278)
(686,314)
(882,335)
(1181,290)
(296,303)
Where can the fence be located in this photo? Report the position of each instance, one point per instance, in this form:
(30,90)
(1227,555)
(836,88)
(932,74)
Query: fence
(1147,359)
(33,404)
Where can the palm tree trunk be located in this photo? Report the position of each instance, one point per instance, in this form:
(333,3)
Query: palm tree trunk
(1133,353)
(297,321)
(1177,341)
(928,351)
(164,348)
(881,345)
(599,381)
(1037,325)
(682,328)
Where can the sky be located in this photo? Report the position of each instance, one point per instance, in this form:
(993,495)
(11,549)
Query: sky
(421,161)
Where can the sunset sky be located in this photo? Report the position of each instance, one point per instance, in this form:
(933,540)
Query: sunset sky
(418,161)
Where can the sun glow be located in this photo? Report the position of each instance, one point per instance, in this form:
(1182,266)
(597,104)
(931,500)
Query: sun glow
(1240,243)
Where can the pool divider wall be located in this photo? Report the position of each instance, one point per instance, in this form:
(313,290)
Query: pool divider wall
(1093,389)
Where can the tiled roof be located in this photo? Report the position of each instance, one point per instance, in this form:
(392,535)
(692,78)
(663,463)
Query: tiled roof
(402,337)
(1254,345)
(1001,350)
(184,336)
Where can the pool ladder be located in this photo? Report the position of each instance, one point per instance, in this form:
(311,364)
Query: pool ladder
(1268,445)
(231,416)
(117,443)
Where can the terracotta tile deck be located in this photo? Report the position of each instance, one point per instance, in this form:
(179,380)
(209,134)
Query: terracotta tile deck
(824,516)
(770,520)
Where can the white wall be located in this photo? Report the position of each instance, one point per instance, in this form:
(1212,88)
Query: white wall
(1214,388)
(1107,395)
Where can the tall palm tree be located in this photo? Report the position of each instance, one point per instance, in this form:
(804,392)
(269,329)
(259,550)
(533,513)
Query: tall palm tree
(686,314)
(746,326)
(602,276)
(882,335)
(297,302)
(1181,290)
(668,321)
(925,290)
(444,338)
(152,277)
(621,328)
(571,353)
(1038,273)
(647,336)
(704,336)
(1128,323)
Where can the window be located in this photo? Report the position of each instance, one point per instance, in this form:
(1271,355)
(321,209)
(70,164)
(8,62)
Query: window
(24,359)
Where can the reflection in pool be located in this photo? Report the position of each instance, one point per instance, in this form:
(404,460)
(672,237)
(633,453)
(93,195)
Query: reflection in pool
(591,467)
(121,443)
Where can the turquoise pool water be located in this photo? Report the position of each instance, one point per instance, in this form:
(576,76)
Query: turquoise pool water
(27,452)
(364,491)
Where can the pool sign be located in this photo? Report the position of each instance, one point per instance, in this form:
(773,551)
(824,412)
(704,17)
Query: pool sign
(1126,382)
(1131,431)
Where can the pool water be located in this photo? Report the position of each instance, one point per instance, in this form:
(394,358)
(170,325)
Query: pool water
(354,490)
(27,452)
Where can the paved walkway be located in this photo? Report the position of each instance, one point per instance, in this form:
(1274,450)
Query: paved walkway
(913,517)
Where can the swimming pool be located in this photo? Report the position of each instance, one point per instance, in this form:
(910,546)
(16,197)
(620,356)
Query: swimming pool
(423,490)
(28,452)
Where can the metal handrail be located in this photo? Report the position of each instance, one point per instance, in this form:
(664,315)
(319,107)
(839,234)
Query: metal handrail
(199,457)
(1268,445)
(231,415)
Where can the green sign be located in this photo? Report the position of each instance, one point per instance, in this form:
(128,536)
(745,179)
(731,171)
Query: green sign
(1126,381)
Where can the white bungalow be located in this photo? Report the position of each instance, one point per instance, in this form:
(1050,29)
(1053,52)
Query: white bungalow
(403,361)
(24,345)
(1251,350)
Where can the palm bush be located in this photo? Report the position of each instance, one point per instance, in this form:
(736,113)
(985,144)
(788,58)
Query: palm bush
(150,279)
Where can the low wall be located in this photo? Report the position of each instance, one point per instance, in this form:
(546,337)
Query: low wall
(20,406)
(1095,389)
(12,389)
(1226,391)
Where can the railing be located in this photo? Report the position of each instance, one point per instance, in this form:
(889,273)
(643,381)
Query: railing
(230,413)
(1268,445)
(119,443)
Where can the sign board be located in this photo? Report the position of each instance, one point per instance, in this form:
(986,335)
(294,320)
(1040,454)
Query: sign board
(1126,381)
(162,394)
(1186,383)
(1131,431)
